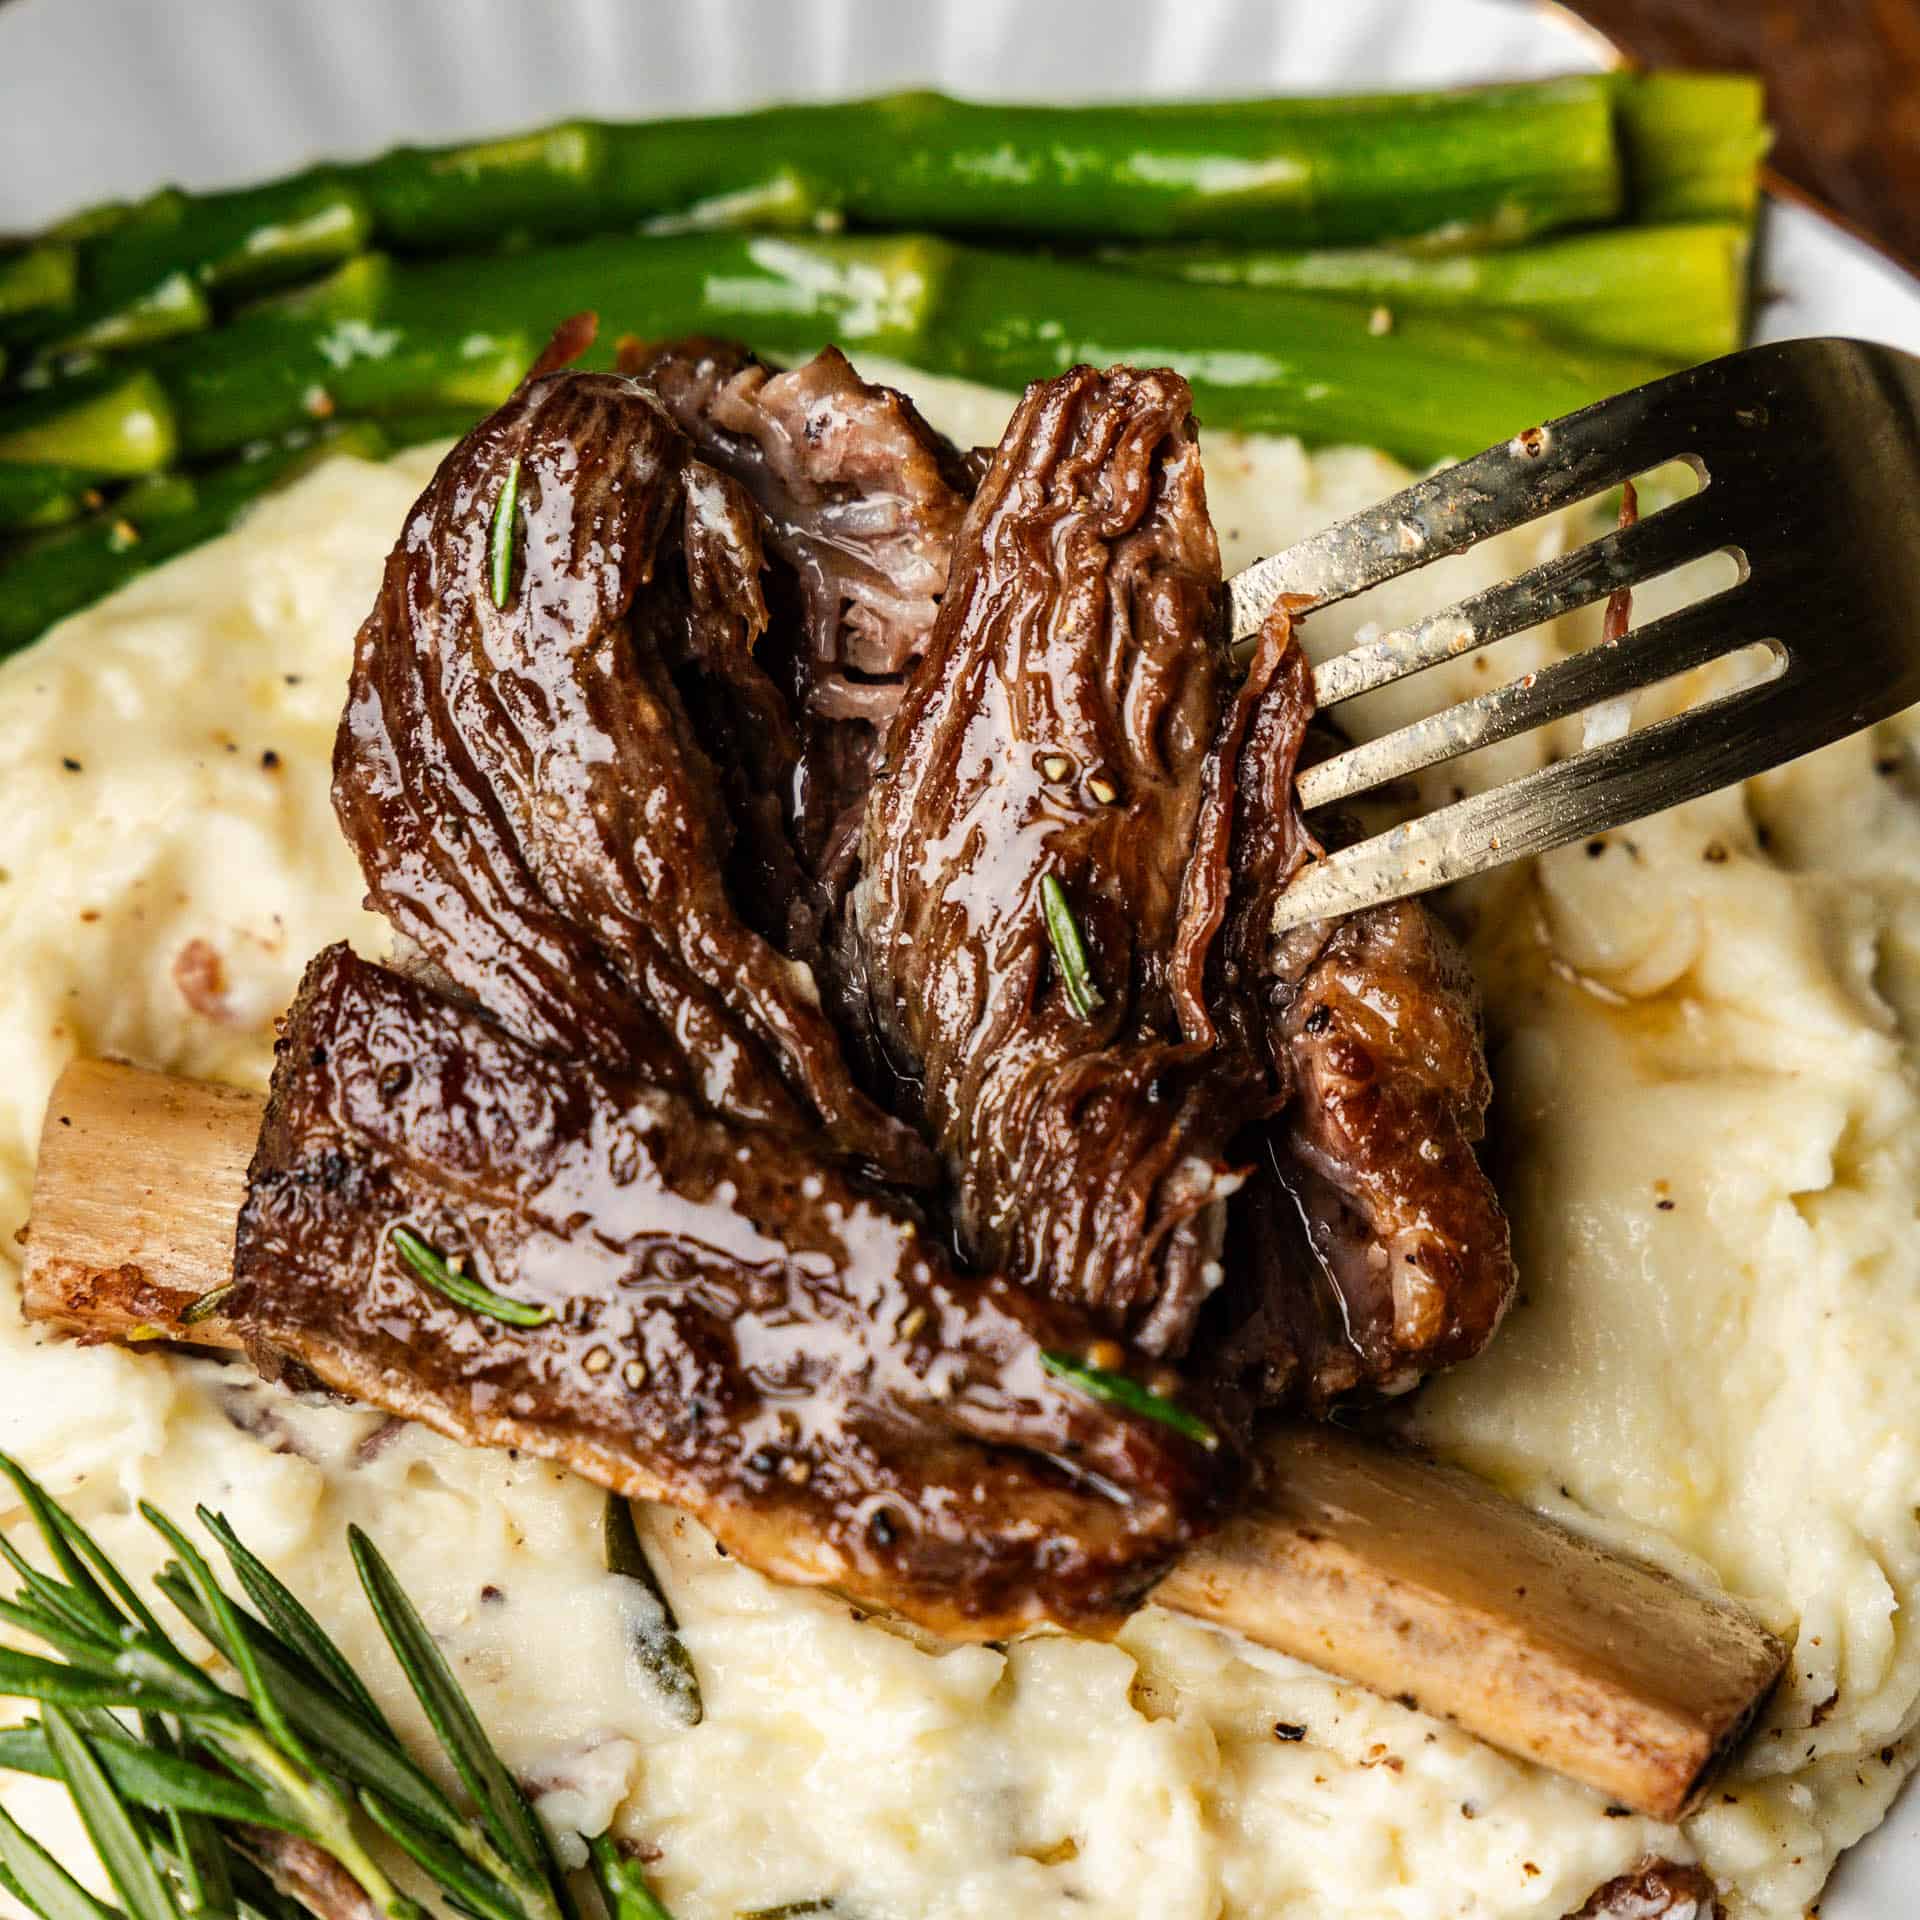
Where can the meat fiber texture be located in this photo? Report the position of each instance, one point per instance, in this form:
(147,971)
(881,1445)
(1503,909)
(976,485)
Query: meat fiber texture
(601,761)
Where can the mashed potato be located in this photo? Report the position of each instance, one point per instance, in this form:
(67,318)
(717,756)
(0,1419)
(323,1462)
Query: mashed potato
(1705,1034)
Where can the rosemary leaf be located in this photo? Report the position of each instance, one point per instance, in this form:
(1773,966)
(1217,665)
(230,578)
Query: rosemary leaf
(118,1842)
(302,1633)
(658,1644)
(47,1611)
(39,1882)
(476,1891)
(64,1604)
(1116,1390)
(214,1598)
(29,1677)
(367,1759)
(500,536)
(56,1530)
(196,1855)
(429,1267)
(206,1882)
(623,1883)
(503,1808)
(1069,950)
(145,1775)
(206,1306)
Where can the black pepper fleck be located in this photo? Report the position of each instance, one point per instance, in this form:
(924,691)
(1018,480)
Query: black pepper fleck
(1665,1206)
(270,761)
(1595,848)
(491,1596)
(70,763)
(1288,1730)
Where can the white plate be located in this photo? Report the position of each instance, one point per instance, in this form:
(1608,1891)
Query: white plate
(103,98)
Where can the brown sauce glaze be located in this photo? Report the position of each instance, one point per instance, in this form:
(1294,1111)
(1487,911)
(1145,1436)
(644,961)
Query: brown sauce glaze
(1059,729)
(737,1327)
(523,782)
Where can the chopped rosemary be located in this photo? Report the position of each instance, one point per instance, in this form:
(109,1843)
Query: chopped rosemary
(657,1643)
(1069,950)
(500,536)
(1116,1390)
(431,1268)
(204,1308)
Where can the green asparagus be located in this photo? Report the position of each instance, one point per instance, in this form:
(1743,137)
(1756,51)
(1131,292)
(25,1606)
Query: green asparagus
(56,447)
(1676,292)
(443,336)
(1693,143)
(36,281)
(58,574)
(43,496)
(1489,163)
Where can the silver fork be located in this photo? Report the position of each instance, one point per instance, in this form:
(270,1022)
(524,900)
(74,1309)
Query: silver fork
(1808,457)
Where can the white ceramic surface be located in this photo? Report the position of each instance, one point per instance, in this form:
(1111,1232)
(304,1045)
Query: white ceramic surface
(100,98)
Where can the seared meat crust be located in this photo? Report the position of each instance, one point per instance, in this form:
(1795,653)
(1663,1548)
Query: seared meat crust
(1058,729)
(617,813)
(737,1327)
(523,782)
(1370,1248)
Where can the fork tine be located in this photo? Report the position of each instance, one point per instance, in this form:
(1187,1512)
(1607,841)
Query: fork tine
(1676,643)
(1530,475)
(1688,530)
(1722,741)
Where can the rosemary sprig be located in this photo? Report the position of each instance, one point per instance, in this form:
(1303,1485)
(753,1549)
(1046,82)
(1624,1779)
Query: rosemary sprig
(261,1801)
(1069,949)
(1117,1390)
(657,1642)
(500,536)
(428,1266)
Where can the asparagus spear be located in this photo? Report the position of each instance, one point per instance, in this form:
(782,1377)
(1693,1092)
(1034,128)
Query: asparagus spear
(37,280)
(60,573)
(1501,162)
(58,445)
(388,339)
(1693,143)
(43,496)
(1675,292)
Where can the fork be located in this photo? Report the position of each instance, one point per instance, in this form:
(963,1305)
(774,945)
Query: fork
(1807,454)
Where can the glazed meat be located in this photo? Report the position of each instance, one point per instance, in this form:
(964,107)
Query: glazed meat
(1078,720)
(523,782)
(1369,1248)
(860,502)
(567,798)
(1058,732)
(835,921)
(736,1327)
